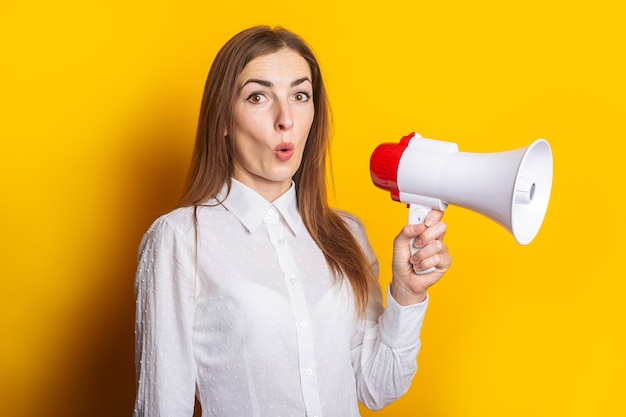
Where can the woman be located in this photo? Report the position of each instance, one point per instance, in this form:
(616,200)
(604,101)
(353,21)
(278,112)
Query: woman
(254,295)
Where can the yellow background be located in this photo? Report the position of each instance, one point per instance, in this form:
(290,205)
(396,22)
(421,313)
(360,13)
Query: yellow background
(99,108)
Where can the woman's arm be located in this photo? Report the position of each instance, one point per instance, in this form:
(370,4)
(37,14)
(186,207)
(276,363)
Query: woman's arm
(165,295)
(384,350)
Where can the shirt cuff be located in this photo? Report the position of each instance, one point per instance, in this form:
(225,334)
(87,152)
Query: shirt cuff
(400,326)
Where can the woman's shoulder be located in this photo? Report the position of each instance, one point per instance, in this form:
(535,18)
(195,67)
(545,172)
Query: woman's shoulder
(183,219)
(358,230)
(354,223)
(170,230)
(349,218)
(178,219)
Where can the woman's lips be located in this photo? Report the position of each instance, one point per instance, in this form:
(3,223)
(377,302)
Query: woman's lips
(284,151)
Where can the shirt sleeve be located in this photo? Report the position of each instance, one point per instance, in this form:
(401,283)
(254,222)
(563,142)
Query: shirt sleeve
(386,344)
(165,308)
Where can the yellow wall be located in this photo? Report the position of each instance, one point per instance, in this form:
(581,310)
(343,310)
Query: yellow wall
(99,105)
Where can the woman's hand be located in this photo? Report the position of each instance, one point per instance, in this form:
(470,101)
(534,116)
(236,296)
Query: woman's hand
(408,287)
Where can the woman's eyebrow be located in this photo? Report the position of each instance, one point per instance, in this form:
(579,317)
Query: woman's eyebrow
(257,81)
(266,83)
(300,81)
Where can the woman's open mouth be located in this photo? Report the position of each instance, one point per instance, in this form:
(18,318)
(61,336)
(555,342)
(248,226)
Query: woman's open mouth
(284,151)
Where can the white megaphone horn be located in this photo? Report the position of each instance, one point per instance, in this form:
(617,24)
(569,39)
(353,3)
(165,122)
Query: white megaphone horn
(511,188)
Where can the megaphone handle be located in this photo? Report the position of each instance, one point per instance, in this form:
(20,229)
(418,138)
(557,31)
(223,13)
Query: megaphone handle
(417,215)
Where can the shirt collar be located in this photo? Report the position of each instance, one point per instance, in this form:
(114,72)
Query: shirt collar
(250,207)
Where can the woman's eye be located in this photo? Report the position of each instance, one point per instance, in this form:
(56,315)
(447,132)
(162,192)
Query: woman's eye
(302,96)
(256,98)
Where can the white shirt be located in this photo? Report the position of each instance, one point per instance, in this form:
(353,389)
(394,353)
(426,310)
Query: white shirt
(252,320)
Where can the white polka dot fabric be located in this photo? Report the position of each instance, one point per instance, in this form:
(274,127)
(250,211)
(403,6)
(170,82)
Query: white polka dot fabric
(249,318)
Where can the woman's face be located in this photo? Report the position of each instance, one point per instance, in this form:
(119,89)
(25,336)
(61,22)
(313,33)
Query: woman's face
(272,118)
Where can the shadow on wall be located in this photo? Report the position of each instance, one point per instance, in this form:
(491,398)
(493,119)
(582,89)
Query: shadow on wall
(97,376)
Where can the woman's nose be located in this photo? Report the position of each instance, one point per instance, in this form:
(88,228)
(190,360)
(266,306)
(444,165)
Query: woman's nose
(284,117)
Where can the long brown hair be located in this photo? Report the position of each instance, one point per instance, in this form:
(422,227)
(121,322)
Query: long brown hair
(211,164)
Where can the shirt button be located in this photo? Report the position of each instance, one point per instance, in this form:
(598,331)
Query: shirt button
(281,241)
(303,323)
(271,212)
(308,371)
(293,280)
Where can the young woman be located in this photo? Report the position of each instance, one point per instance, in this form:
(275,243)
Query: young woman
(254,295)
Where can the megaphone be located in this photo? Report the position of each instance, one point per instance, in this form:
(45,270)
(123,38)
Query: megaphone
(511,188)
